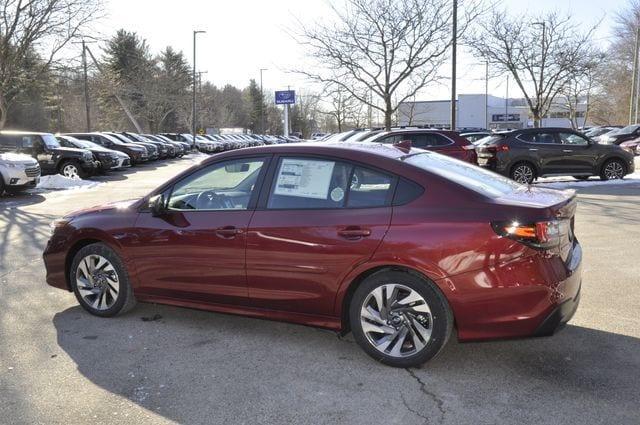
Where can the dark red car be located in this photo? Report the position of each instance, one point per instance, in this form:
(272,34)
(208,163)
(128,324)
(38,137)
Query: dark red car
(420,245)
(446,142)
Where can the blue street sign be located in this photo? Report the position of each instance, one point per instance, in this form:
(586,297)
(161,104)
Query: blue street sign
(285,97)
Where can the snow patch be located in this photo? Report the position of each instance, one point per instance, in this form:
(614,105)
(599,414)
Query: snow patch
(58,181)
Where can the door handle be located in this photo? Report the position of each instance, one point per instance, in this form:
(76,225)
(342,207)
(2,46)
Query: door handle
(228,231)
(354,233)
(533,149)
(567,150)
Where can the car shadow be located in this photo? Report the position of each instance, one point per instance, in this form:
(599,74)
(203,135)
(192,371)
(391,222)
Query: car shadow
(22,199)
(196,367)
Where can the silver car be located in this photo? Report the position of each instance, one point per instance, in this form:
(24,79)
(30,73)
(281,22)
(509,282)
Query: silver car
(18,172)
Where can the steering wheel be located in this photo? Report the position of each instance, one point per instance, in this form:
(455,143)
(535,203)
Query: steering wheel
(209,200)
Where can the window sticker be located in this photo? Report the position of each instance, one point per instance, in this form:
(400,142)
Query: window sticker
(337,194)
(305,178)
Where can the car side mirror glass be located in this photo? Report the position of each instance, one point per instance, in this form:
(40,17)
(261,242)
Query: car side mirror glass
(157,205)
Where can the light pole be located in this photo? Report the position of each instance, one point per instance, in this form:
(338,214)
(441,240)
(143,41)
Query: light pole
(193,110)
(261,103)
(454,42)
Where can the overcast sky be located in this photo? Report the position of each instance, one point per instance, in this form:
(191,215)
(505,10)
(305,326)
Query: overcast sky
(246,35)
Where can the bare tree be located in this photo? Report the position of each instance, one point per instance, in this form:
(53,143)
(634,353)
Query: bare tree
(392,47)
(542,54)
(579,88)
(341,106)
(42,27)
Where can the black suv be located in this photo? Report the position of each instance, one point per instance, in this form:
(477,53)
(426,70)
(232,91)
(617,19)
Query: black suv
(529,153)
(44,147)
(137,153)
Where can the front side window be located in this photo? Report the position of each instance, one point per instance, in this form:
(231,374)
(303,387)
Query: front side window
(228,185)
(572,139)
(50,141)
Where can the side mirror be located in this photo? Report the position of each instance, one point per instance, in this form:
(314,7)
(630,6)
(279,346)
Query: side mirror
(157,205)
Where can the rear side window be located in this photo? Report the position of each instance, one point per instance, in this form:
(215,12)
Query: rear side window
(406,191)
(426,140)
(310,183)
(305,183)
(539,138)
(369,189)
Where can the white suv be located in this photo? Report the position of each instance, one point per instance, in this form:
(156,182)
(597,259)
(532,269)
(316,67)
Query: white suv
(18,172)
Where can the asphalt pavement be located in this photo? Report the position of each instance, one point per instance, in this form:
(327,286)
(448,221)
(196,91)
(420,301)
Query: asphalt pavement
(160,364)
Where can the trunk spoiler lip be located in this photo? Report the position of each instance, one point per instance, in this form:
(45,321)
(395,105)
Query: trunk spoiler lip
(542,202)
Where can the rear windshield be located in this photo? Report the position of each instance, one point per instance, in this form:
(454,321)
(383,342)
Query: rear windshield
(484,182)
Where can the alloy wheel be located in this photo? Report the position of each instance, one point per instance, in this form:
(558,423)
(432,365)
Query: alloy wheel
(523,174)
(97,281)
(396,320)
(614,170)
(70,171)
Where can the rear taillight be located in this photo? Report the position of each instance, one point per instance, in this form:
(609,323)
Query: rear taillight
(540,235)
(498,148)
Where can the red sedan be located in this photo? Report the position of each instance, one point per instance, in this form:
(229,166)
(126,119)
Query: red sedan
(419,245)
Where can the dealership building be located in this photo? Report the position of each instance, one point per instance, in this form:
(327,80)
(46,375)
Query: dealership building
(481,111)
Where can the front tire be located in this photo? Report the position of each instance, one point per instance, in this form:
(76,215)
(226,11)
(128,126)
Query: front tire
(100,281)
(613,169)
(72,170)
(400,319)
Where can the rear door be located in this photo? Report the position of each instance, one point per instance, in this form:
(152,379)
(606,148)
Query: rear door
(315,222)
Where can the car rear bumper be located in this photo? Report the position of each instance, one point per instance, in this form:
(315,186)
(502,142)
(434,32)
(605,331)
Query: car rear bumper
(528,296)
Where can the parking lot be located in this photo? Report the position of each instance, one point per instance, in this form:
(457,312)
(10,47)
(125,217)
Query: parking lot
(160,364)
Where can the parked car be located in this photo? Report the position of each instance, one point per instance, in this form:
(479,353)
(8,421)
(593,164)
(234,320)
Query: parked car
(164,151)
(52,158)
(18,172)
(631,145)
(186,146)
(136,153)
(152,149)
(473,137)
(446,142)
(280,232)
(620,135)
(108,159)
(526,154)
(594,132)
(179,148)
(318,136)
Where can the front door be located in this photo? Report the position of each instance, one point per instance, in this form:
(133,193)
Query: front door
(322,218)
(196,249)
(578,155)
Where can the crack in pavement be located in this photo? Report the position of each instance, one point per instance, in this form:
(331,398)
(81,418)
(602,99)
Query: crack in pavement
(423,388)
(415,412)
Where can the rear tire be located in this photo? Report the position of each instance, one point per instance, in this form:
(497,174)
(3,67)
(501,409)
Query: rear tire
(523,172)
(412,325)
(1,185)
(613,169)
(100,281)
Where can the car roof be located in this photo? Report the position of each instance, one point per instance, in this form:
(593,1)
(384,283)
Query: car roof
(24,133)
(343,149)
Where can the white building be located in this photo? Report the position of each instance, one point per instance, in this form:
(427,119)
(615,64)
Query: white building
(470,113)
